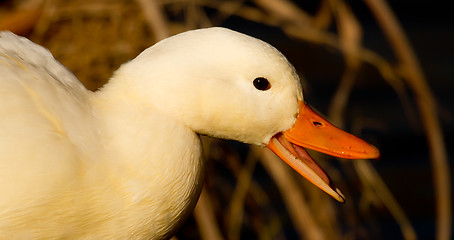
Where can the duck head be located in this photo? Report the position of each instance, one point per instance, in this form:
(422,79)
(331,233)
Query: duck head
(226,84)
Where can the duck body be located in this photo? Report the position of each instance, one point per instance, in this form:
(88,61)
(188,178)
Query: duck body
(96,173)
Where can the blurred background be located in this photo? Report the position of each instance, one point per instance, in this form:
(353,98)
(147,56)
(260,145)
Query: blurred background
(382,70)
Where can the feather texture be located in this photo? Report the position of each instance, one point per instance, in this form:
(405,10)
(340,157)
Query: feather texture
(125,162)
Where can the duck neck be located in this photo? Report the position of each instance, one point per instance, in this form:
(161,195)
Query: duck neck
(158,160)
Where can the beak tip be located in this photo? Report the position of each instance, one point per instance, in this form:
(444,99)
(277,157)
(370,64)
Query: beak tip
(374,153)
(340,198)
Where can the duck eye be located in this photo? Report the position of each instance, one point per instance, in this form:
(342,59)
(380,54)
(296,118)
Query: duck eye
(262,83)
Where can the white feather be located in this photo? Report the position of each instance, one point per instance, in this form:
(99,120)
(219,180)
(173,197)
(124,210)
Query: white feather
(125,162)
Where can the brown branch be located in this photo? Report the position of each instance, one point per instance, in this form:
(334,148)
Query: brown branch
(21,21)
(370,178)
(414,77)
(204,216)
(301,216)
(155,18)
(236,207)
(286,10)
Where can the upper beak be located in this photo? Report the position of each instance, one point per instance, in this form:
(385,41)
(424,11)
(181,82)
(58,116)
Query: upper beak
(314,132)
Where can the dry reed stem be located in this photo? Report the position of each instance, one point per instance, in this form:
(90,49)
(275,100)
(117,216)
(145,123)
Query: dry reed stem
(372,180)
(340,99)
(350,42)
(323,17)
(21,21)
(204,216)
(302,219)
(245,185)
(336,110)
(254,190)
(155,18)
(349,32)
(226,9)
(323,208)
(289,11)
(412,73)
(45,20)
(236,206)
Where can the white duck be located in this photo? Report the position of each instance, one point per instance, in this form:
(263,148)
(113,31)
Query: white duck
(125,162)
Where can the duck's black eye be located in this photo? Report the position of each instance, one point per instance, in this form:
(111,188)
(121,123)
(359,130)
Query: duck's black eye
(262,84)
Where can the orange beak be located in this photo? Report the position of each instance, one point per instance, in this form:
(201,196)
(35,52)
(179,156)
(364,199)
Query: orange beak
(314,132)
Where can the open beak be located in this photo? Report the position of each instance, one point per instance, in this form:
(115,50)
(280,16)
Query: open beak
(314,132)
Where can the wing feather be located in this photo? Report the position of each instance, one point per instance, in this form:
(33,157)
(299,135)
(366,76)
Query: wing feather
(45,126)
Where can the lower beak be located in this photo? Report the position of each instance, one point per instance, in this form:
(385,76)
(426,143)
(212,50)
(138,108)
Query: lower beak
(314,132)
